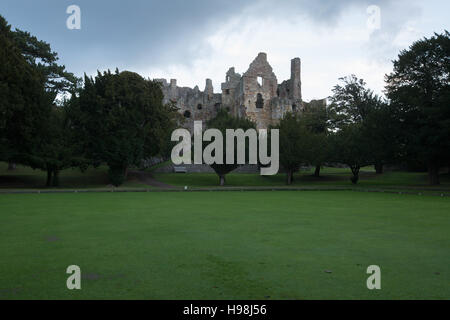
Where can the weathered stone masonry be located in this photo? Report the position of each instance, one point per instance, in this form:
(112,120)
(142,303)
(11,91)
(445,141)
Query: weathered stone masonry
(255,95)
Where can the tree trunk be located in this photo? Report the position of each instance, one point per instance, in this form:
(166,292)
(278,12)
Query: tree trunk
(11,166)
(56,178)
(49,177)
(379,167)
(433,174)
(355,171)
(317,171)
(222,180)
(289,177)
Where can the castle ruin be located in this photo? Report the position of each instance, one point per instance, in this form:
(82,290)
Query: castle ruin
(255,95)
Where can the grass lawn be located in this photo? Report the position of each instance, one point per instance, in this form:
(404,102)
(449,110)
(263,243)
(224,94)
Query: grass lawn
(92,178)
(330,177)
(224,245)
(25,178)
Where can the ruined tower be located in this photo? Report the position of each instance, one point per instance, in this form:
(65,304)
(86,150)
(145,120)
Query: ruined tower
(255,95)
(209,90)
(295,90)
(173,89)
(258,87)
(230,90)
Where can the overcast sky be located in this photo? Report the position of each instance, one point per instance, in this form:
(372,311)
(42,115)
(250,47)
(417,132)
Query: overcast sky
(198,39)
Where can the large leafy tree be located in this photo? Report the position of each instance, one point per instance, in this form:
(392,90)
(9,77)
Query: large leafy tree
(382,131)
(419,87)
(121,120)
(352,103)
(33,131)
(61,148)
(23,103)
(316,118)
(57,80)
(293,134)
(350,146)
(300,143)
(223,121)
(53,149)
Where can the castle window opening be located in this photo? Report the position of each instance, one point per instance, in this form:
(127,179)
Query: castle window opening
(199,106)
(260,81)
(259,101)
(294,107)
(227,91)
(187,114)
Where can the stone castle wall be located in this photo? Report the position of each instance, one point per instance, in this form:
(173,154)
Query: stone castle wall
(255,95)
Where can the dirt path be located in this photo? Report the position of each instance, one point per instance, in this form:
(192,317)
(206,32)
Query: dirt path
(148,179)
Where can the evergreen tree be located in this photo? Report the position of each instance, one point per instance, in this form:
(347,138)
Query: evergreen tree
(121,120)
(23,107)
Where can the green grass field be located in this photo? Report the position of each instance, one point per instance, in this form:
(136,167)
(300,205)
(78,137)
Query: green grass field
(330,177)
(24,178)
(27,178)
(224,245)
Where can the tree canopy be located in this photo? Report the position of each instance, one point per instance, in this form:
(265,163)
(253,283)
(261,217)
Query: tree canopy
(299,145)
(121,119)
(419,87)
(223,121)
(23,107)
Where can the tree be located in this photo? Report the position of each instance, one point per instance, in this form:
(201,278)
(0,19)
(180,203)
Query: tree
(315,116)
(32,134)
(53,149)
(381,129)
(223,121)
(291,135)
(419,87)
(351,147)
(299,145)
(39,55)
(23,108)
(61,149)
(353,103)
(121,120)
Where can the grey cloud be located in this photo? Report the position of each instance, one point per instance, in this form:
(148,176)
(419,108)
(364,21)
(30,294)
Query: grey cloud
(154,33)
